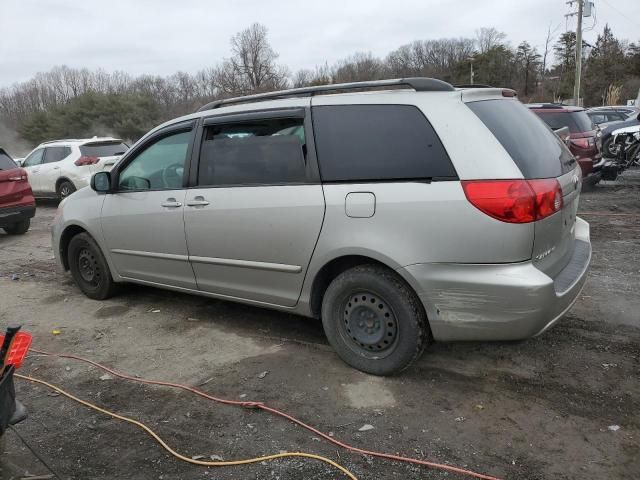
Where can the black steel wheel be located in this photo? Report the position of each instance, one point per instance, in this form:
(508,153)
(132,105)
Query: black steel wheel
(89,268)
(374,320)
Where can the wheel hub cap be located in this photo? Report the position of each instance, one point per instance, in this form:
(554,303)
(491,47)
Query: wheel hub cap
(86,266)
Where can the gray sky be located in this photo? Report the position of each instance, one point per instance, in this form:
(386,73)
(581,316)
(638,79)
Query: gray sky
(164,36)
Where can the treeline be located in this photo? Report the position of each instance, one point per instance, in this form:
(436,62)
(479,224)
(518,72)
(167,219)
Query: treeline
(67,102)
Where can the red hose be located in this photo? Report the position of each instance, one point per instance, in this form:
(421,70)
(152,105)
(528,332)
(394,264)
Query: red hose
(279,413)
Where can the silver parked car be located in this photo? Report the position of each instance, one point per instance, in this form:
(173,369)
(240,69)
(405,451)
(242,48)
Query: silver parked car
(398,216)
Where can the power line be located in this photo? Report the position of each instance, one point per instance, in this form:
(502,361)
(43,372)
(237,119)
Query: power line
(622,14)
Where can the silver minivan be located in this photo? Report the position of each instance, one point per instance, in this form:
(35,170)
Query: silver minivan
(398,211)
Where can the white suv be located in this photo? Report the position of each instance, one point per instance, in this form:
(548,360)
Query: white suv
(59,168)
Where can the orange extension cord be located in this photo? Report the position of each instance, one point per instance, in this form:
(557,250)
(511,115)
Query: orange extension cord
(274,411)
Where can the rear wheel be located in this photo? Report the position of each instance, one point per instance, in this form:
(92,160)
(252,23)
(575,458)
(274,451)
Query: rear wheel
(374,321)
(65,189)
(89,268)
(19,228)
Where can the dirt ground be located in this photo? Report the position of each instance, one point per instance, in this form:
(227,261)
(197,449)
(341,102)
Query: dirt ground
(538,409)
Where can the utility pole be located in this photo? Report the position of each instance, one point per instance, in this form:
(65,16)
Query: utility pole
(576,84)
(471,74)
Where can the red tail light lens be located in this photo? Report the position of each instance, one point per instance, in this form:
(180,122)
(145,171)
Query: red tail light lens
(583,142)
(86,161)
(515,201)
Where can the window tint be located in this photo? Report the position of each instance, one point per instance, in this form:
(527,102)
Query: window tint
(34,159)
(103,149)
(159,166)
(257,152)
(55,154)
(377,142)
(6,163)
(537,152)
(577,122)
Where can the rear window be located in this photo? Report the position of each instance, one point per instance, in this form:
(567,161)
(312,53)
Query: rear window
(377,142)
(103,149)
(5,162)
(537,152)
(578,122)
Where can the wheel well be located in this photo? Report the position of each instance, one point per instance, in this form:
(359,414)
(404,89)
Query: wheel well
(69,232)
(330,271)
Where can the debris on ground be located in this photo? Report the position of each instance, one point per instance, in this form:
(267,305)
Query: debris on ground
(614,428)
(106,376)
(263,374)
(366,427)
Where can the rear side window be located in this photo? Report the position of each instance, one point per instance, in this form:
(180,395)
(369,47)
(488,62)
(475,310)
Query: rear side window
(377,142)
(255,152)
(578,122)
(5,162)
(537,152)
(55,154)
(103,149)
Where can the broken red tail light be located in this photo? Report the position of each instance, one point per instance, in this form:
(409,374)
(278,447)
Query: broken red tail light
(85,160)
(515,201)
(583,142)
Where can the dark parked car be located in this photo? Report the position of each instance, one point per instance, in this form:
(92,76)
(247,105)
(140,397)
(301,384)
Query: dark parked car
(584,142)
(600,116)
(17,205)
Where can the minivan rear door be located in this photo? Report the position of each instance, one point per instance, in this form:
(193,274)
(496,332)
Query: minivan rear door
(254,216)
(538,153)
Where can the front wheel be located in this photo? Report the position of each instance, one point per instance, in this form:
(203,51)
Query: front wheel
(19,228)
(374,321)
(89,268)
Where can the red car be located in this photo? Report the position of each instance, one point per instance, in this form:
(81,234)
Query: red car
(17,205)
(584,142)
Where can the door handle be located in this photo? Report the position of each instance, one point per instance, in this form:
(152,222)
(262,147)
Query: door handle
(56,168)
(198,201)
(171,203)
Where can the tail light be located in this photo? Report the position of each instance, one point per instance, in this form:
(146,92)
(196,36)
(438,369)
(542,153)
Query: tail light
(515,201)
(21,176)
(584,142)
(85,160)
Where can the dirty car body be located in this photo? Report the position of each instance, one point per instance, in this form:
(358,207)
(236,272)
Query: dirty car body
(289,203)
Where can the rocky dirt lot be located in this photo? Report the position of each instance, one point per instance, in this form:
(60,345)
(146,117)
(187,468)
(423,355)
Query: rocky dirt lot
(538,409)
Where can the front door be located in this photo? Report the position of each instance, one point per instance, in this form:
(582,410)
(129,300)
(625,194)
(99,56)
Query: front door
(32,165)
(50,168)
(142,220)
(254,217)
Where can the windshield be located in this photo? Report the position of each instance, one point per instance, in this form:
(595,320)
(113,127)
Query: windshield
(578,122)
(103,149)
(5,162)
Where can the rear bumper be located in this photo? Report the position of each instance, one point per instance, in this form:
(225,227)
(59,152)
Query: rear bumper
(498,301)
(12,215)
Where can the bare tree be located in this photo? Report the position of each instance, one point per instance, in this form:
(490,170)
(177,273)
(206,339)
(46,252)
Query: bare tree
(487,38)
(252,66)
(547,46)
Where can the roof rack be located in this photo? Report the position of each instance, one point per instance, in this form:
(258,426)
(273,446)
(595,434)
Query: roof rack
(61,140)
(419,84)
(473,85)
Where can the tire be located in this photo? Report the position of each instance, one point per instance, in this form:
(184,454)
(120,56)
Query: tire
(65,189)
(374,320)
(606,148)
(89,268)
(19,228)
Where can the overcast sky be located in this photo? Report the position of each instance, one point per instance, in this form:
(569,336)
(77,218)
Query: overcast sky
(164,36)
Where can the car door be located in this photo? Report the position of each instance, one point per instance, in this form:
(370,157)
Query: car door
(32,164)
(142,219)
(50,168)
(254,215)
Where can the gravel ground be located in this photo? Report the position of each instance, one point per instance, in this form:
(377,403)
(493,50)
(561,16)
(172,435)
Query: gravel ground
(536,409)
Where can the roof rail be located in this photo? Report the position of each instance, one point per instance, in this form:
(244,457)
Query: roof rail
(419,84)
(473,85)
(60,140)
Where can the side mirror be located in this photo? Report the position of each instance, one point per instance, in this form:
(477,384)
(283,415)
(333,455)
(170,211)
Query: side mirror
(101,182)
